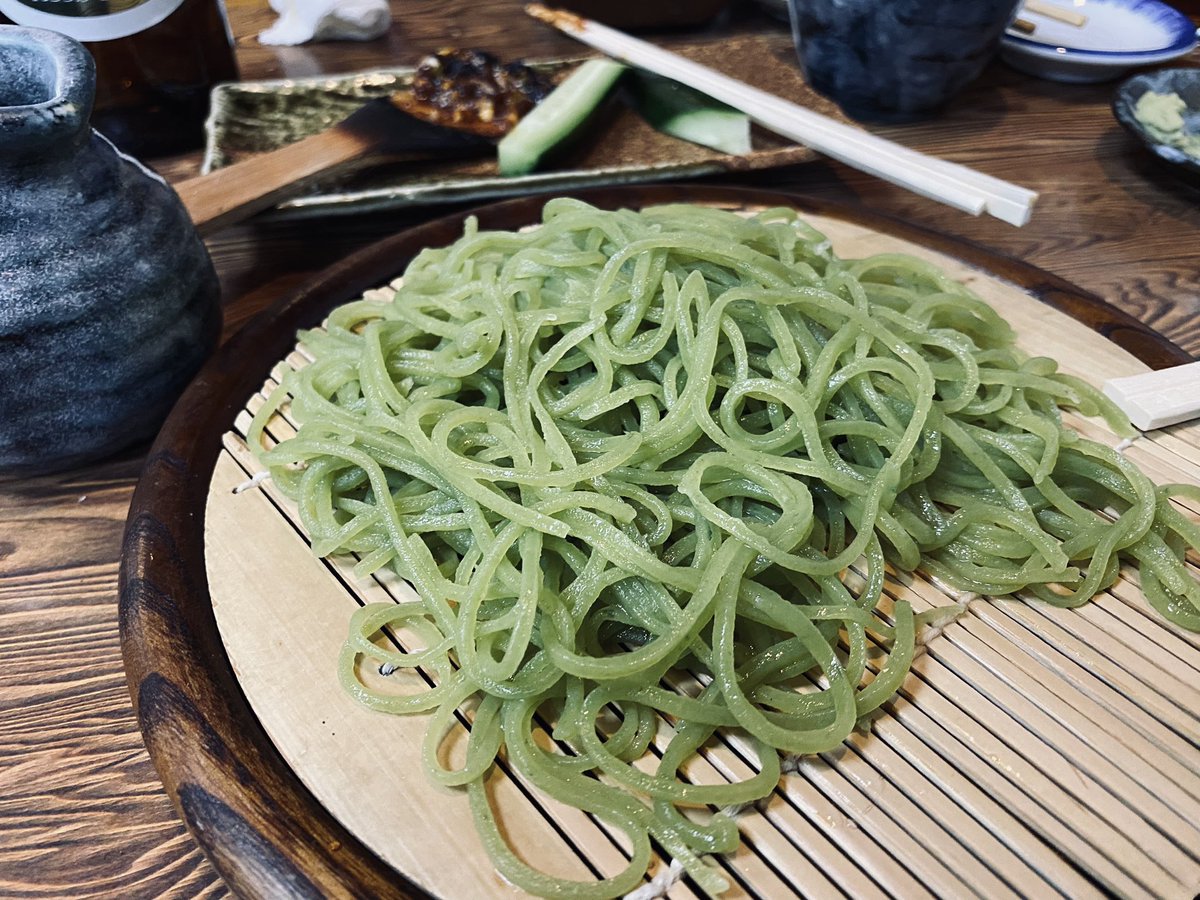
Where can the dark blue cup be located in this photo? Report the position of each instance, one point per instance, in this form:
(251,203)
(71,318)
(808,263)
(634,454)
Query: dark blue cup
(896,60)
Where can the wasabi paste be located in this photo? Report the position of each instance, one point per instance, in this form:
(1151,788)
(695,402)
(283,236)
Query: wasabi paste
(1162,115)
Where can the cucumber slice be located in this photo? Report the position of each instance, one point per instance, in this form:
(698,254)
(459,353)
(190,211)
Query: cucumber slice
(553,120)
(686,113)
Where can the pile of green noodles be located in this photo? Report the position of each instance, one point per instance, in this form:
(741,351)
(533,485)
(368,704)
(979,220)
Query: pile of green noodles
(623,452)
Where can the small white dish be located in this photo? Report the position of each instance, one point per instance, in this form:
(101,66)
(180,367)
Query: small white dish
(1119,35)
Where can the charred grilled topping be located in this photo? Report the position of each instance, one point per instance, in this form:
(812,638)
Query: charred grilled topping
(473,91)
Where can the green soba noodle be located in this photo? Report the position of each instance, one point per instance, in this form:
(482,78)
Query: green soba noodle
(622,453)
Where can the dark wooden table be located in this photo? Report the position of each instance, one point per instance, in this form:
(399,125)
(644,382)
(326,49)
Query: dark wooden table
(82,812)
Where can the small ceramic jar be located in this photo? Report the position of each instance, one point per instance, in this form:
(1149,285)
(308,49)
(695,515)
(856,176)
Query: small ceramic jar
(108,299)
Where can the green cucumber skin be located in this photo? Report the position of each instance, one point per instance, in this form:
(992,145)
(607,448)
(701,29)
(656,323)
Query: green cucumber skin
(688,114)
(553,120)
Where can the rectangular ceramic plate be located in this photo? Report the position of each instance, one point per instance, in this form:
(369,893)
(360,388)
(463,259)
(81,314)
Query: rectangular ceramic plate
(254,117)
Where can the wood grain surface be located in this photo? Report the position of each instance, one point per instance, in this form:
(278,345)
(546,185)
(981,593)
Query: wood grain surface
(82,810)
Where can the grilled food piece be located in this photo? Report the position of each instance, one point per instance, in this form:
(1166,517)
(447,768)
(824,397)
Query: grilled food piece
(471,90)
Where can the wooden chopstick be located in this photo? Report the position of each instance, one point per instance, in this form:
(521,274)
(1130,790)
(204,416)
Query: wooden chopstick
(1053,11)
(949,183)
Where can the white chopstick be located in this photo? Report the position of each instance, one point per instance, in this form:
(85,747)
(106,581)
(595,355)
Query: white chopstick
(949,183)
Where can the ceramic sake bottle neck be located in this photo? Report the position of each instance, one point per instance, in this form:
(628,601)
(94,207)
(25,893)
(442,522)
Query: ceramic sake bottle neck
(46,95)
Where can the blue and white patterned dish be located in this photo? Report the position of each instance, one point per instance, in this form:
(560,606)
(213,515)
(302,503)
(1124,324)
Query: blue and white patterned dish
(1118,35)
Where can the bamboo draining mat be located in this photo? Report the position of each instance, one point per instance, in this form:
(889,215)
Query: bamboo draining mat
(1031,752)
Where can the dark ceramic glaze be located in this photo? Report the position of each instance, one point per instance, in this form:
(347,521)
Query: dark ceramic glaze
(894,60)
(108,300)
(1185,83)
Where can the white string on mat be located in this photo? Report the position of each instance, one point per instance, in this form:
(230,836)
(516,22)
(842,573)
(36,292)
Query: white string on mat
(252,482)
(933,630)
(658,885)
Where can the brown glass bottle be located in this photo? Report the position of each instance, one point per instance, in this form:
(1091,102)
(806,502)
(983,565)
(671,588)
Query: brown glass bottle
(156,64)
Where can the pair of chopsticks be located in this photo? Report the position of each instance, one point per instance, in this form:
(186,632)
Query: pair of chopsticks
(949,183)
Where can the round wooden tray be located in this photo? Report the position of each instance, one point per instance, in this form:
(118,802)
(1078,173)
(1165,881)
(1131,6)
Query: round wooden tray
(265,832)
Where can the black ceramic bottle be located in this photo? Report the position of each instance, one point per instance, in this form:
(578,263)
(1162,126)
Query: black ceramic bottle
(156,63)
(108,299)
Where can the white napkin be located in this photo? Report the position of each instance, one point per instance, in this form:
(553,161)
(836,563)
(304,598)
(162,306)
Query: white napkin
(301,21)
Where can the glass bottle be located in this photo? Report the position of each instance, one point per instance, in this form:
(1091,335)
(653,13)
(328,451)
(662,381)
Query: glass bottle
(156,63)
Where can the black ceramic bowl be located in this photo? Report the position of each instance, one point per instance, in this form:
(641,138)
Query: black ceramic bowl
(1185,83)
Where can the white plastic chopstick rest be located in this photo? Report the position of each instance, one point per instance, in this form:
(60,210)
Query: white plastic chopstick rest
(1158,399)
